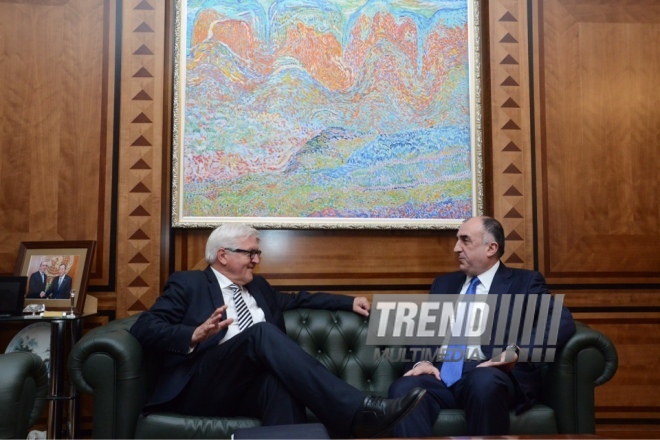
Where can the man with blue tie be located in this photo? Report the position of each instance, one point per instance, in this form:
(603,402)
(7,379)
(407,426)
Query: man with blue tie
(60,286)
(488,387)
(37,284)
(220,337)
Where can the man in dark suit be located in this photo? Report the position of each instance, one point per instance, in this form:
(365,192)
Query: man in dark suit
(37,284)
(224,352)
(487,387)
(60,286)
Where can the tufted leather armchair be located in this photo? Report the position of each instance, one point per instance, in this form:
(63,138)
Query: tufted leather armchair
(23,390)
(108,363)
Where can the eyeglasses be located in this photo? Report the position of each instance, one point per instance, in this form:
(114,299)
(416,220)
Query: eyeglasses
(250,254)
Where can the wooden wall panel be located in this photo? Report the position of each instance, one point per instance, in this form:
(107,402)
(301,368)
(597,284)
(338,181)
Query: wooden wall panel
(56,118)
(633,392)
(142,147)
(631,320)
(599,131)
(357,261)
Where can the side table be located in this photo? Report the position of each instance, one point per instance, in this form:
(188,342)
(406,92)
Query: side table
(60,394)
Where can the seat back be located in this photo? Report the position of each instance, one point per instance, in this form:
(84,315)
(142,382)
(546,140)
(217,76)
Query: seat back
(23,391)
(339,341)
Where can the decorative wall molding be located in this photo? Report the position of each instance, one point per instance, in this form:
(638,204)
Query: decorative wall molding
(511,132)
(140,170)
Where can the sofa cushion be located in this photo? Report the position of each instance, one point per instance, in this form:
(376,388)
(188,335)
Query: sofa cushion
(299,431)
(171,425)
(539,419)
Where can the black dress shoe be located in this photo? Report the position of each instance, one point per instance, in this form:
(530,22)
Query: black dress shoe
(378,414)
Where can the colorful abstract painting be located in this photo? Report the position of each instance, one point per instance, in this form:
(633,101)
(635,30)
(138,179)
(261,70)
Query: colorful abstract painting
(324,113)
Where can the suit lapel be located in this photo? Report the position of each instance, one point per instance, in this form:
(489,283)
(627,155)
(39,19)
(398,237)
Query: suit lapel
(501,281)
(456,285)
(501,285)
(218,301)
(449,284)
(214,288)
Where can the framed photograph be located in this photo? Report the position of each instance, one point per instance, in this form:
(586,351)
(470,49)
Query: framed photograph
(55,269)
(327,114)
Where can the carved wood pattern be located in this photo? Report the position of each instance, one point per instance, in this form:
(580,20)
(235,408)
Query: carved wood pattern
(510,109)
(140,175)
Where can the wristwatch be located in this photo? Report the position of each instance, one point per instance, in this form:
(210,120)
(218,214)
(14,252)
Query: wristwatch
(513,347)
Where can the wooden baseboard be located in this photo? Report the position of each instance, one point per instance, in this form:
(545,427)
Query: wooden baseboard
(623,430)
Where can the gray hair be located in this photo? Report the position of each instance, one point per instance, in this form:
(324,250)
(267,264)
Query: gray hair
(494,228)
(227,235)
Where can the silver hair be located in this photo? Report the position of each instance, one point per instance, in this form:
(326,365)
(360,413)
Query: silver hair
(227,235)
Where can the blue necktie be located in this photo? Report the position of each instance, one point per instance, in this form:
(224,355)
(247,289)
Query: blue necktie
(451,371)
(242,312)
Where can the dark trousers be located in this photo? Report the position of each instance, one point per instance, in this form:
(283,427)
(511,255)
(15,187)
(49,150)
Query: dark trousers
(486,394)
(262,373)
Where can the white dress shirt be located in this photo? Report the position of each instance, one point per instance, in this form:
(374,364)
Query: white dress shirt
(486,279)
(228,296)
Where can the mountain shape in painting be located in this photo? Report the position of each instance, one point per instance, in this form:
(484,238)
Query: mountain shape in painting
(302,88)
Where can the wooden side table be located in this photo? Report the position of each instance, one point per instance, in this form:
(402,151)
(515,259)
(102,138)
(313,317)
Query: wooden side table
(61,393)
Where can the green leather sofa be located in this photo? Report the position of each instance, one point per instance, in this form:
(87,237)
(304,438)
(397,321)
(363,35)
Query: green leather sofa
(23,391)
(109,363)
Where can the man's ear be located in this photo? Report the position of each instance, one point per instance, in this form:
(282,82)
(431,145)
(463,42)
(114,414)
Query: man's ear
(492,249)
(220,256)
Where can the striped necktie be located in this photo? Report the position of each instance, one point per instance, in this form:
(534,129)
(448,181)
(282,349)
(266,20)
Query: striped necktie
(451,371)
(242,313)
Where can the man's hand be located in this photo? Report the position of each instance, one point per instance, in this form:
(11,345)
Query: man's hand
(505,361)
(211,326)
(424,368)
(361,306)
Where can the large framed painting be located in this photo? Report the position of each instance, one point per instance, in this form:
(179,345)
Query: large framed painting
(327,113)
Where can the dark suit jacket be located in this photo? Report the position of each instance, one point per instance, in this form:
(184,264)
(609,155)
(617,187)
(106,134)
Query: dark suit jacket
(509,281)
(36,285)
(189,298)
(61,292)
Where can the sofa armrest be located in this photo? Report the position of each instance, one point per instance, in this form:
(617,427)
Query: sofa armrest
(107,363)
(587,360)
(23,390)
